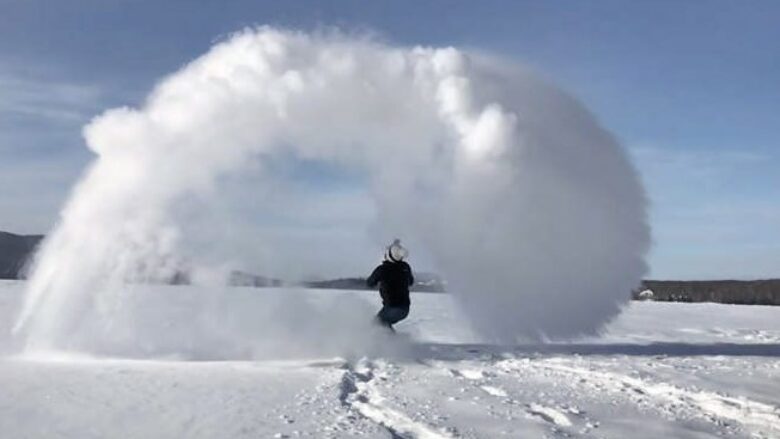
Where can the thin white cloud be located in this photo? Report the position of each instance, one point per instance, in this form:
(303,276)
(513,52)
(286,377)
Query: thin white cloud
(676,175)
(46,100)
(694,159)
(32,191)
(41,148)
(714,212)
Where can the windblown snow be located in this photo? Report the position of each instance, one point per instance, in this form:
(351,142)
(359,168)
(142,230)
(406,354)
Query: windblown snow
(527,207)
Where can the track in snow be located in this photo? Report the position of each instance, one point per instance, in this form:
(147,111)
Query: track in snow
(359,393)
(761,420)
(573,396)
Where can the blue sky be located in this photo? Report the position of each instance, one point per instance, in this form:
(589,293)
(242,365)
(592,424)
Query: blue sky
(691,88)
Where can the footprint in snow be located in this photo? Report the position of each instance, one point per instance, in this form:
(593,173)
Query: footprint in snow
(549,414)
(470,374)
(495,391)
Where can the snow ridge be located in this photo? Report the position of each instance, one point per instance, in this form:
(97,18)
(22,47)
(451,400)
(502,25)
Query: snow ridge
(762,420)
(358,392)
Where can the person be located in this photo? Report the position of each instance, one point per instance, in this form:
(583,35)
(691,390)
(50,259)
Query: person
(394,277)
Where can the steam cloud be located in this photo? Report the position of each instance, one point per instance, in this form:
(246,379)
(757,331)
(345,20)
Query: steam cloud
(530,210)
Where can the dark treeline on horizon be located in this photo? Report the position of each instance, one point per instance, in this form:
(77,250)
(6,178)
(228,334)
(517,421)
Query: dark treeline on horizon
(16,250)
(740,292)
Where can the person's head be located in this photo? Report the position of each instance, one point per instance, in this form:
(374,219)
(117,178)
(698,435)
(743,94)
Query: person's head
(396,252)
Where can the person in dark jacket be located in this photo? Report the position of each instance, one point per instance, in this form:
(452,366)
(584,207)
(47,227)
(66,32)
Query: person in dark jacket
(394,277)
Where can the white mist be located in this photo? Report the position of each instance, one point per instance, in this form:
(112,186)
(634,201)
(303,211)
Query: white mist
(529,209)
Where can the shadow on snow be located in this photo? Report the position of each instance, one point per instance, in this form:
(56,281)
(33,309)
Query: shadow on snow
(456,351)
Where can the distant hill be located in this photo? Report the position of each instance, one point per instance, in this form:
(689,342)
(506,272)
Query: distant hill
(242,279)
(15,251)
(751,292)
(424,282)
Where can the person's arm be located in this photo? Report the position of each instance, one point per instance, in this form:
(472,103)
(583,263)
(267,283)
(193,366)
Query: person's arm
(373,280)
(411,276)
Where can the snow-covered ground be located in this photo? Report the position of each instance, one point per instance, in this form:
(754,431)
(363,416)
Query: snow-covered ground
(660,370)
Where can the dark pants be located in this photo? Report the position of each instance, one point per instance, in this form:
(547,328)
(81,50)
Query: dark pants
(390,315)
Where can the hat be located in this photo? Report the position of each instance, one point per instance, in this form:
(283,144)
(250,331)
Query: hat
(396,252)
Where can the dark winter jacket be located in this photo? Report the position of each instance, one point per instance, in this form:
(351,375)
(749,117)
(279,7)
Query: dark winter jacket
(394,279)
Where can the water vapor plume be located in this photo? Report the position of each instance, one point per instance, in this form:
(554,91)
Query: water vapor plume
(528,207)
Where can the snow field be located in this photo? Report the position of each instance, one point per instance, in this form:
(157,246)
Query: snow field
(660,370)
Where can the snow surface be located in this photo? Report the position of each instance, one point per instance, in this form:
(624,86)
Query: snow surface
(660,370)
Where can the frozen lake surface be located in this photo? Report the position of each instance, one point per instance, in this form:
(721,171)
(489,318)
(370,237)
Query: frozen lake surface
(206,365)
